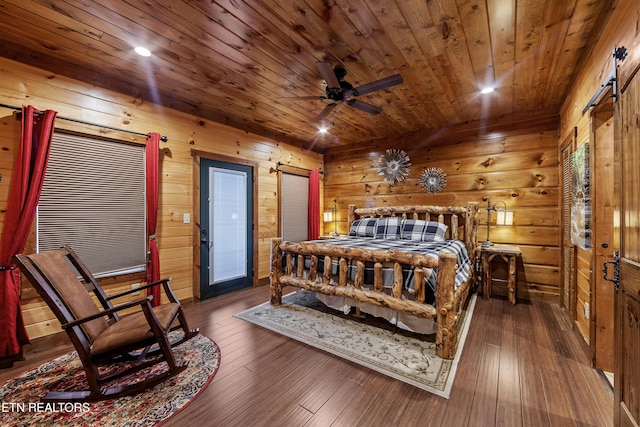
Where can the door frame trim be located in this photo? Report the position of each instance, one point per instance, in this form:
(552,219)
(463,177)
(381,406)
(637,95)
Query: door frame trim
(197,155)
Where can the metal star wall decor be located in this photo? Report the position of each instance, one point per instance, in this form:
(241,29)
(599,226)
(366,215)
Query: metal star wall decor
(433,180)
(394,166)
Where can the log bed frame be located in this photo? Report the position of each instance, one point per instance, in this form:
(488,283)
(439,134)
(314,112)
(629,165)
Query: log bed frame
(463,224)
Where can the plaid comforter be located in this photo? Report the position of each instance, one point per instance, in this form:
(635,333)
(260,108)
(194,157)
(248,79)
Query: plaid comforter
(431,248)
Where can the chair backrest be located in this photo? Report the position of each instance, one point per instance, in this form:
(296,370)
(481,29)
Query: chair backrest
(58,284)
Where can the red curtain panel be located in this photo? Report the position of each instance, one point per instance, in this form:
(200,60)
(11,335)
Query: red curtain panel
(152,155)
(24,194)
(314,205)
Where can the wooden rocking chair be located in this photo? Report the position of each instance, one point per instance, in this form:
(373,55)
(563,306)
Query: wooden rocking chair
(99,334)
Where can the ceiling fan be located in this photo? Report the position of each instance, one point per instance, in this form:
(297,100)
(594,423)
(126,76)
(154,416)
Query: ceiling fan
(338,90)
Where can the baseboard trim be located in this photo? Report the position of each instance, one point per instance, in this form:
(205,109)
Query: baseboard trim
(586,348)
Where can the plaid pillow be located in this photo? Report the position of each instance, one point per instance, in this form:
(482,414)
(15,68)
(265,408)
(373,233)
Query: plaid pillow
(388,228)
(416,229)
(365,227)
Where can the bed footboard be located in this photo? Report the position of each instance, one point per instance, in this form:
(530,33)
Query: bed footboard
(332,282)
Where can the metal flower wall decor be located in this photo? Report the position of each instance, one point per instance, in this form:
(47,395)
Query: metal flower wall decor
(394,166)
(433,180)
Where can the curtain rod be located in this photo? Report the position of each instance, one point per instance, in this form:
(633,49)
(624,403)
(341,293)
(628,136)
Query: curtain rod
(294,167)
(162,138)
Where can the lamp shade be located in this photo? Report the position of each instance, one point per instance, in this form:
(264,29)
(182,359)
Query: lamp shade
(328,216)
(504,218)
(509,218)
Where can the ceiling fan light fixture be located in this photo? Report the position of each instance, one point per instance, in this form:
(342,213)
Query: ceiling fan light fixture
(142,51)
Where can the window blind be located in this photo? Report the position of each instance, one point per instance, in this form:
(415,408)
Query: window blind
(93,199)
(228,223)
(295,207)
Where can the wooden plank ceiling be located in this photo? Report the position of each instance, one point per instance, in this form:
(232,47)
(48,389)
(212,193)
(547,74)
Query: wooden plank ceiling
(236,62)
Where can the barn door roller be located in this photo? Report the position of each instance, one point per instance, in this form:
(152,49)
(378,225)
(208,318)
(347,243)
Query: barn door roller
(618,54)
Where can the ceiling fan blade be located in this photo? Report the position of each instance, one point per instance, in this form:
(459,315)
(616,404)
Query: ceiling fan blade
(311,98)
(324,113)
(326,71)
(363,106)
(385,83)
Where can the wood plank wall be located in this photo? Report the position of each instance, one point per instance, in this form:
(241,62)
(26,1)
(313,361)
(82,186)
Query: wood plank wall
(516,163)
(21,84)
(621,29)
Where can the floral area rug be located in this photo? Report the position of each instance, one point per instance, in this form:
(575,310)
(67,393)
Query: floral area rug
(20,397)
(401,356)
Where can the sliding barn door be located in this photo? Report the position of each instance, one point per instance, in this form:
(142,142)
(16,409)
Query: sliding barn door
(602,235)
(627,336)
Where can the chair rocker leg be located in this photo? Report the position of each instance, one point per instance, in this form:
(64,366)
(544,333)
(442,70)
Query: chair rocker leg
(142,361)
(188,334)
(149,357)
(115,392)
(186,337)
(184,325)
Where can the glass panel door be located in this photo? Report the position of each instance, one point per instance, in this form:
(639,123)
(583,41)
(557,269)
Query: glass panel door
(228,220)
(226,233)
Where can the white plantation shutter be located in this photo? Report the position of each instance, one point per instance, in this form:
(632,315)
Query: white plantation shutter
(93,199)
(568,249)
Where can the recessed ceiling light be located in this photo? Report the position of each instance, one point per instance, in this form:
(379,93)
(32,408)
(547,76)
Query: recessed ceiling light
(323,129)
(142,51)
(487,90)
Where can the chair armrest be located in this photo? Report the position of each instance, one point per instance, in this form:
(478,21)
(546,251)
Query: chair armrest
(119,307)
(164,282)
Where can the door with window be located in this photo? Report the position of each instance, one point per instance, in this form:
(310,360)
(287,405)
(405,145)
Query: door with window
(226,227)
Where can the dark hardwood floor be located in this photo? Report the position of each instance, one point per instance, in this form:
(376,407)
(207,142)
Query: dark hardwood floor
(521,366)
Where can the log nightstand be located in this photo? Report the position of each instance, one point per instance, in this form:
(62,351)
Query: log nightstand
(509,254)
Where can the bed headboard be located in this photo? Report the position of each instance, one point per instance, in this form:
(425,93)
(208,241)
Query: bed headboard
(461,220)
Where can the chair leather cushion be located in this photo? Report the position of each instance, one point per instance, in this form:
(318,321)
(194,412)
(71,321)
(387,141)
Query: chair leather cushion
(133,328)
(72,291)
